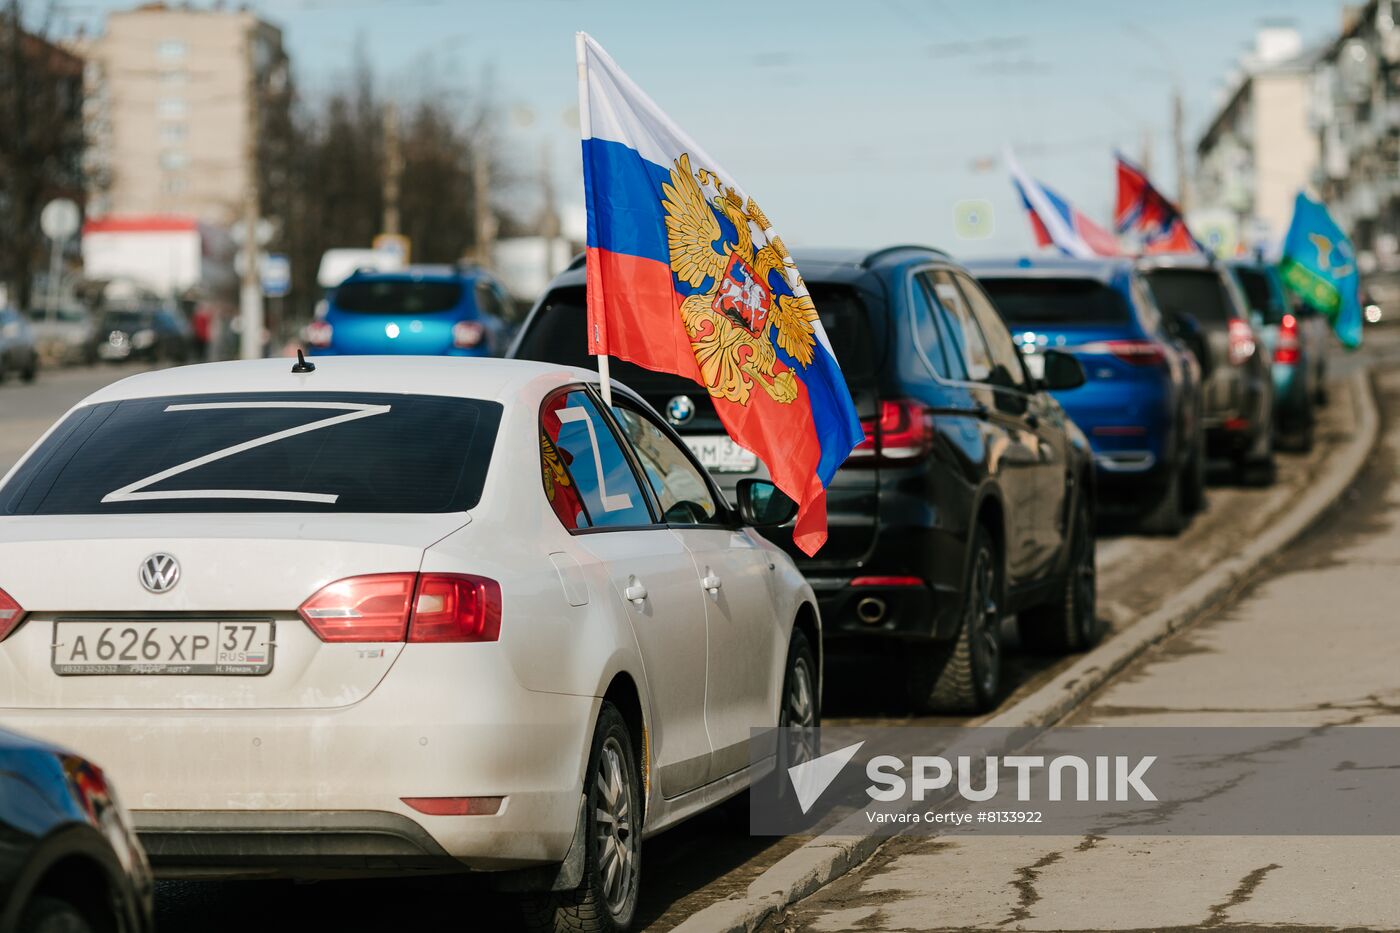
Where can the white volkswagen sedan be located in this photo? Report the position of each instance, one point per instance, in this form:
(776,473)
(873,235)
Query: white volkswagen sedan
(394,615)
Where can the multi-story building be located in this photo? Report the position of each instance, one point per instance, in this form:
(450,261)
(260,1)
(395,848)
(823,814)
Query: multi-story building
(177,96)
(1260,148)
(1356,117)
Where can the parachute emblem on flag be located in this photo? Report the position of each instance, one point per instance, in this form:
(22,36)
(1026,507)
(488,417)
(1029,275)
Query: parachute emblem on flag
(749,299)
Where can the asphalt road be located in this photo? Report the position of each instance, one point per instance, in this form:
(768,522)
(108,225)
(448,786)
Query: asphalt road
(708,858)
(1311,642)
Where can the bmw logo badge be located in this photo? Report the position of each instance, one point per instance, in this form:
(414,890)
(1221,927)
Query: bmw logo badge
(680,409)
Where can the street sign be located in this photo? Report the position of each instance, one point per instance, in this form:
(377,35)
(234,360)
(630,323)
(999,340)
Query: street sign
(276,273)
(395,245)
(60,219)
(264,231)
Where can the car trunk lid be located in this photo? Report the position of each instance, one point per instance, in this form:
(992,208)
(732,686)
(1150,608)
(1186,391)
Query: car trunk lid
(232,566)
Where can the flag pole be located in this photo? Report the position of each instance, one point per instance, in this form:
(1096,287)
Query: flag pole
(585,131)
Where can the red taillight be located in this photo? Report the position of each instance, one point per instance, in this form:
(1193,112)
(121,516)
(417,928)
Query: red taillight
(430,607)
(368,608)
(1132,352)
(887,581)
(318,334)
(1241,341)
(902,433)
(467,334)
(456,607)
(11,615)
(1287,348)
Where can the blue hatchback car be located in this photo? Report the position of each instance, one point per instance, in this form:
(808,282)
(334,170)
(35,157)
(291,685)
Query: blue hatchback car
(1141,405)
(423,311)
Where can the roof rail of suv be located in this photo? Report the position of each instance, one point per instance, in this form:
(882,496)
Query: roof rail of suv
(576,262)
(879,254)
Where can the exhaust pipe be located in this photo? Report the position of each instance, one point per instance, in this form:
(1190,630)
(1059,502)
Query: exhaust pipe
(871,610)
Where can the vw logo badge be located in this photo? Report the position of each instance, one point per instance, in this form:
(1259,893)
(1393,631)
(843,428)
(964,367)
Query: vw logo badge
(160,572)
(680,409)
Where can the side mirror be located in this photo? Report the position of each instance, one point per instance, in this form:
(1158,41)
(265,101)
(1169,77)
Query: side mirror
(1062,371)
(763,505)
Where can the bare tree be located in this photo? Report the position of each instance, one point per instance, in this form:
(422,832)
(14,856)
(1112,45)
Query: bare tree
(41,145)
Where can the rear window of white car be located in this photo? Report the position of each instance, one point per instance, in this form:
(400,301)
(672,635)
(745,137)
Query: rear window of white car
(261,452)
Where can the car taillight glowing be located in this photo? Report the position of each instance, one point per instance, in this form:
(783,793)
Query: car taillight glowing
(1241,341)
(429,607)
(11,615)
(1287,348)
(456,607)
(318,334)
(1132,352)
(467,334)
(902,433)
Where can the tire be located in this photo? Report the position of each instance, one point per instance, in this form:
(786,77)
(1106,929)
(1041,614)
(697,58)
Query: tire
(1071,622)
(52,915)
(1168,516)
(29,372)
(1193,490)
(966,677)
(606,901)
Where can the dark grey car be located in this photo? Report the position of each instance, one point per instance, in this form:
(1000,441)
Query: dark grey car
(1236,379)
(17,351)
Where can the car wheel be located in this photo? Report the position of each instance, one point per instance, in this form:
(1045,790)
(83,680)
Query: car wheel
(801,697)
(606,901)
(52,915)
(966,678)
(1168,516)
(30,371)
(1071,622)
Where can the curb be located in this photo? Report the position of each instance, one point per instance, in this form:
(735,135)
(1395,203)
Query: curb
(826,858)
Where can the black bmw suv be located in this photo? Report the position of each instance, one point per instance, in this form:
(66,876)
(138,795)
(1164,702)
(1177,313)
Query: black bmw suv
(971,498)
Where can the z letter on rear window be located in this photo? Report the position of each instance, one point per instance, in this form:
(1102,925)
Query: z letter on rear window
(135,492)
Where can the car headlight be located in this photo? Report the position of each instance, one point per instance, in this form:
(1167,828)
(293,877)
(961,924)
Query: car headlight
(143,339)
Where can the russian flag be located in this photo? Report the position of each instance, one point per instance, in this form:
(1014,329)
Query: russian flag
(687,276)
(1056,222)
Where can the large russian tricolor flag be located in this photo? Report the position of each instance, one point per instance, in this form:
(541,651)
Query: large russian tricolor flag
(687,276)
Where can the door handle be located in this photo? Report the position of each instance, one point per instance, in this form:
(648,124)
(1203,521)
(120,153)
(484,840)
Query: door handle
(635,592)
(711,582)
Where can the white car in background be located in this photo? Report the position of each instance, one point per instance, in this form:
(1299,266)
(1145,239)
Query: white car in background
(398,614)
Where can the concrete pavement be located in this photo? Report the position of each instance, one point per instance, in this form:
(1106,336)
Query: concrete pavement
(27,410)
(1315,642)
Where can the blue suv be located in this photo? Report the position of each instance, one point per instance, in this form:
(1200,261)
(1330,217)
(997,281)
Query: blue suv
(424,311)
(1141,406)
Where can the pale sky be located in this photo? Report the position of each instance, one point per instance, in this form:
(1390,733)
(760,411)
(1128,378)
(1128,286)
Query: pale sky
(855,124)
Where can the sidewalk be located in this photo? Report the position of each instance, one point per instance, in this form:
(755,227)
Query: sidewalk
(1315,642)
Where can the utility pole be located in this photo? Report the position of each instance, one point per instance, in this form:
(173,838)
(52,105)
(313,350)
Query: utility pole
(485,220)
(549,215)
(1183,194)
(393,170)
(250,295)
(1146,158)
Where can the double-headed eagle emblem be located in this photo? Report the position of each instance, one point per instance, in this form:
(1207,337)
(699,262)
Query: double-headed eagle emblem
(732,320)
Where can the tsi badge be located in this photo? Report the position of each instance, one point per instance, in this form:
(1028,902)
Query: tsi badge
(160,572)
(680,410)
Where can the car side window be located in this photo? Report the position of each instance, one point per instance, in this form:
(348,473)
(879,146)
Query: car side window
(679,485)
(587,478)
(962,330)
(488,301)
(925,327)
(1007,369)
(1148,311)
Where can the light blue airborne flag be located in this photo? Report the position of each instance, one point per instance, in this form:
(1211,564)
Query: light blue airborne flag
(1319,265)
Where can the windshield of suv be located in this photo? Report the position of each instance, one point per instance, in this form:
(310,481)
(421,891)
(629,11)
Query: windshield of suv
(558,334)
(396,296)
(1050,302)
(1199,292)
(261,452)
